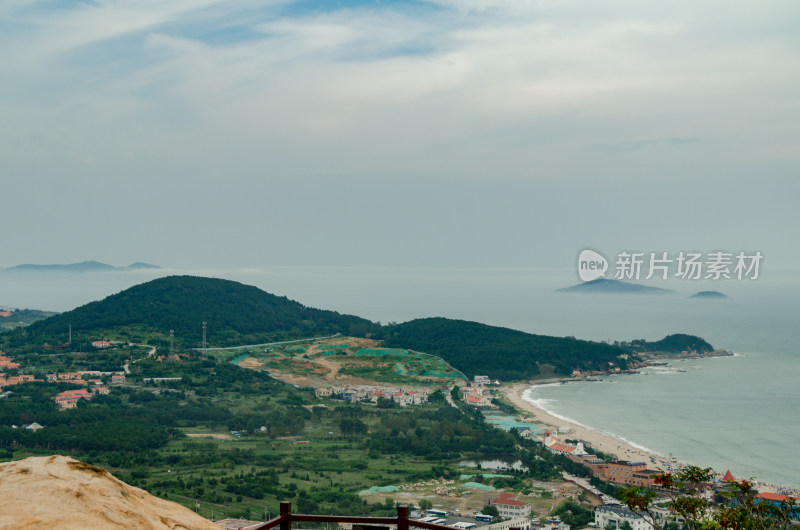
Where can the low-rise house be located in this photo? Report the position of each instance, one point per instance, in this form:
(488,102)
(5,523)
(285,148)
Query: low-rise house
(118,379)
(508,506)
(779,500)
(7,362)
(402,397)
(482,380)
(476,396)
(556,445)
(101,344)
(69,398)
(614,515)
(19,379)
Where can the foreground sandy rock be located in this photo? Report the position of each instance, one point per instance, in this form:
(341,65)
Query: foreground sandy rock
(60,492)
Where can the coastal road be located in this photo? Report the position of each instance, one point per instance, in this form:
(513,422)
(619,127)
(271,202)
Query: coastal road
(583,483)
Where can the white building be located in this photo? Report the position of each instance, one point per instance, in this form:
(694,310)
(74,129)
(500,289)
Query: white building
(508,506)
(523,523)
(616,514)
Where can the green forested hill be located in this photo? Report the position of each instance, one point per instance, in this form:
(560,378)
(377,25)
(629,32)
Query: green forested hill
(236,314)
(239,314)
(501,353)
(674,343)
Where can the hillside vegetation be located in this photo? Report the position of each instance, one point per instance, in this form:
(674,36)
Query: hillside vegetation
(236,314)
(498,352)
(675,343)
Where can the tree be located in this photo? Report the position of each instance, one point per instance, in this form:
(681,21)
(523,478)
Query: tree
(425,504)
(741,510)
(352,427)
(436,397)
(573,514)
(490,510)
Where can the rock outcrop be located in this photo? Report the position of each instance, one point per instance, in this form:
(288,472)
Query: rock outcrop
(61,492)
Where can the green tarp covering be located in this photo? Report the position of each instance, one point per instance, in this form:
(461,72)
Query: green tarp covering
(374,490)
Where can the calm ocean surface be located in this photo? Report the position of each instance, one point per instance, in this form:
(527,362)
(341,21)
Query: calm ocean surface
(741,413)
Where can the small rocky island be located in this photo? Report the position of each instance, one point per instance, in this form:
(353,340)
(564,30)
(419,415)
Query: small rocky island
(709,294)
(608,286)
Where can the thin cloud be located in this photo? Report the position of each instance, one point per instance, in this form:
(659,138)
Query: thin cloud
(388,89)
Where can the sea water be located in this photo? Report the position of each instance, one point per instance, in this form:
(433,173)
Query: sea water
(740,413)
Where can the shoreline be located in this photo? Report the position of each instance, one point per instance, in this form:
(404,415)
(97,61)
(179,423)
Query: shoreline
(601,441)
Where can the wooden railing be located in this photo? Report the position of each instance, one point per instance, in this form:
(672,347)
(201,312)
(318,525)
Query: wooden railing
(286,518)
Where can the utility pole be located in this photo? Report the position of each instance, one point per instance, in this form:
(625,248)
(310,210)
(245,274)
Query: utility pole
(204,338)
(171,342)
(70,333)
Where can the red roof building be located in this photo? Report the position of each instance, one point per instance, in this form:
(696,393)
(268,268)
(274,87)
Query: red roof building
(777,497)
(508,506)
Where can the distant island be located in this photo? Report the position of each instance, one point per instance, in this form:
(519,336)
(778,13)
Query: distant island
(11,318)
(709,294)
(603,285)
(82,267)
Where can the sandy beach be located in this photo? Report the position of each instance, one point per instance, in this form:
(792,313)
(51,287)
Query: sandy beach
(591,438)
(604,442)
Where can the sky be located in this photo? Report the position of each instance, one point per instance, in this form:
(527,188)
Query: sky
(441,133)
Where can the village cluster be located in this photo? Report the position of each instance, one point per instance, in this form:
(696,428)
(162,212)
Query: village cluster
(93,379)
(475,394)
(368,393)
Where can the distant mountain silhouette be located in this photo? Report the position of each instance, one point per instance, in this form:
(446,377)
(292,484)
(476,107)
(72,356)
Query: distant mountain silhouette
(603,285)
(83,266)
(140,265)
(709,294)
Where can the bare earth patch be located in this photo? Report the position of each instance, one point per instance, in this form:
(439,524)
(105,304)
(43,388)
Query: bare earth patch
(210,435)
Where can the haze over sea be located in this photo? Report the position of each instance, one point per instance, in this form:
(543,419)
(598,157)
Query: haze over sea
(738,413)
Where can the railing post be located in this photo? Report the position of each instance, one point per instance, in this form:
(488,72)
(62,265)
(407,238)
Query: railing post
(286,514)
(402,517)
